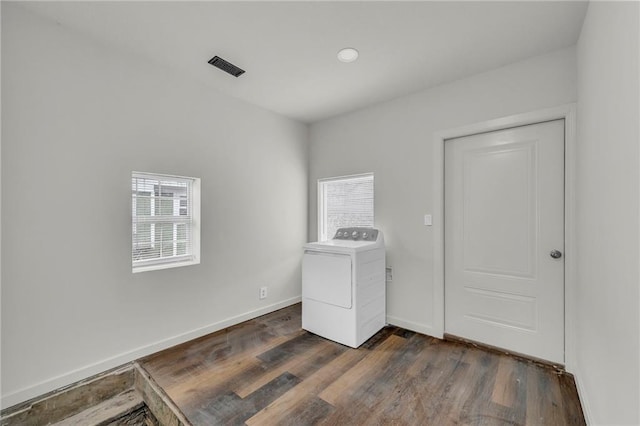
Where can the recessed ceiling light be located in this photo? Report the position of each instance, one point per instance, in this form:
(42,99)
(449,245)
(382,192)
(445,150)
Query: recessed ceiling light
(348,54)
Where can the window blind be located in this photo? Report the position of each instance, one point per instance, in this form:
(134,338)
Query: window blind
(343,202)
(162,219)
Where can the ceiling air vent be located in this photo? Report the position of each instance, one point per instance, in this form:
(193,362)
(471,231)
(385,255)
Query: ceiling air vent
(225,66)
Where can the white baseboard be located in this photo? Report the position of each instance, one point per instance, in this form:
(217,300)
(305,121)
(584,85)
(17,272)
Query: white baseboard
(413,326)
(81,373)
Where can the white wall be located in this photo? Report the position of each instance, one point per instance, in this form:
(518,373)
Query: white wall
(607,342)
(395,139)
(77,119)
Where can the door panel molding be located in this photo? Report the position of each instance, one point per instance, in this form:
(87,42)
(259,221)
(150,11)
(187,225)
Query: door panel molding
(526,306)
(473,180)
(566,112)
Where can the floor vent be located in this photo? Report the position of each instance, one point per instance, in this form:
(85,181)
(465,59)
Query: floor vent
(225,66)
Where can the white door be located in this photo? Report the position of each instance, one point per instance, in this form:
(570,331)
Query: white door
(504,231)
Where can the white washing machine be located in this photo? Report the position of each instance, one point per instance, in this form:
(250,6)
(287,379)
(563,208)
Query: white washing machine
(343,286)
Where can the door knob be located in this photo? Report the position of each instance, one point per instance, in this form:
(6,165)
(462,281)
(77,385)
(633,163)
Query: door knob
(556,254)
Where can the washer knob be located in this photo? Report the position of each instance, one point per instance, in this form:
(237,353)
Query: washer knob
(364,235)
(354,234)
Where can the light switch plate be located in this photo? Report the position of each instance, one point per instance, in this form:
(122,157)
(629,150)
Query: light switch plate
(427,220)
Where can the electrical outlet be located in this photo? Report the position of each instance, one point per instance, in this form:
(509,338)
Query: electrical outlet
(389,271)
(263,292)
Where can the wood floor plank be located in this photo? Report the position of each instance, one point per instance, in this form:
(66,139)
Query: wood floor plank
(536,411)
(263,396)
(181,388)
(436,382)
(504,384)
(215,410)
(315,361)
(286,349)
(471,405)
(229,409)
(413,395)
(294,365)
(508,399)
(174,366)
(509,390)
(518,410)
(207,385)
(311,411)
(270,372)
(571,402)
(544,399)
(284,407)
(384,391)
(362,402)
(368,365)
(207,352)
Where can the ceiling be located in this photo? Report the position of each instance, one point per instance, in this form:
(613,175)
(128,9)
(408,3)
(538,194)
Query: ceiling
(288,49)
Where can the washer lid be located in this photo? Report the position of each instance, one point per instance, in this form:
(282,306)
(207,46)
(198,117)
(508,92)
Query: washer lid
(342,246)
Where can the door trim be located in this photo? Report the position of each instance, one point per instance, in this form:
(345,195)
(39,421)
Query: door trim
(566,112)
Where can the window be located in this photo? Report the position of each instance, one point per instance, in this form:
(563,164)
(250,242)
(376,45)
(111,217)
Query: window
(344,201)
(165,211)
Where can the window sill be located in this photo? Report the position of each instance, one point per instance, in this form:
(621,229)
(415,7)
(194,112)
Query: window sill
(160,266)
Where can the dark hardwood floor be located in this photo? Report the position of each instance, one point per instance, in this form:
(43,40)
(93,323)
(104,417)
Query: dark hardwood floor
(268,371)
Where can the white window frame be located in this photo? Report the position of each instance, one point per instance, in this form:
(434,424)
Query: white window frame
(322,208)
(194,227)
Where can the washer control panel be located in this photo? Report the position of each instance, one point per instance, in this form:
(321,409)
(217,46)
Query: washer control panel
(357,234)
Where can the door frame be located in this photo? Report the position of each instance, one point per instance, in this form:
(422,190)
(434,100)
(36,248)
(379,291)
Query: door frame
(566,112)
